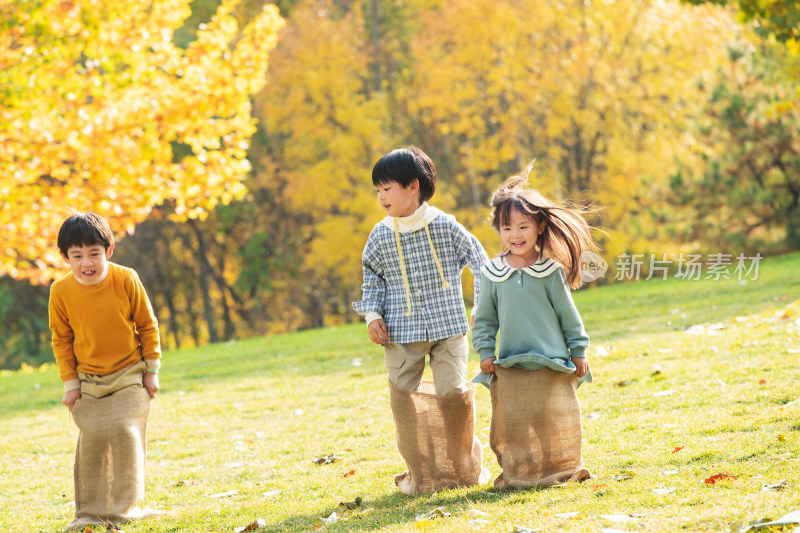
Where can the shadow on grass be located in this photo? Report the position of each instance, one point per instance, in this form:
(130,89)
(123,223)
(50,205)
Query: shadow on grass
(397,508)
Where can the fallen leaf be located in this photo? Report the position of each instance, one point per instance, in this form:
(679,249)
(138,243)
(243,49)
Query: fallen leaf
(355,504)
(439,512)
(712,480)
(331,519)
(223,494)
(326,459)
(789,519)
(781,438)
(780,485)
(762,381)
(252,526)
(348,474)
(599,488)
(677,449)
(623,475)
(624,383)
(655,373)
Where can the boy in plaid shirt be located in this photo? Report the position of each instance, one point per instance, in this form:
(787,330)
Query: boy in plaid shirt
(412,297)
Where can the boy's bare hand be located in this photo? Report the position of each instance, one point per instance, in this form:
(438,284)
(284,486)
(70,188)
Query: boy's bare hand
(150,382)
(70,397)
(377,331)
(581,366)
(487,365)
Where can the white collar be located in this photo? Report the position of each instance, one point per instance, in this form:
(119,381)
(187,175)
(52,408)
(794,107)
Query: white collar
(416,220)
(498,268)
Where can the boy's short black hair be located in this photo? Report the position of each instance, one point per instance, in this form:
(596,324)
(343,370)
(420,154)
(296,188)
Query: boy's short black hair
(84,229)
(405,165)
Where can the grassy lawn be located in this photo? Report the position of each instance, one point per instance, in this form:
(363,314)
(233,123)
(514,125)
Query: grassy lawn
(669,408)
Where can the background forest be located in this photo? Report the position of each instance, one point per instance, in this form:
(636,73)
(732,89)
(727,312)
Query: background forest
(231,148)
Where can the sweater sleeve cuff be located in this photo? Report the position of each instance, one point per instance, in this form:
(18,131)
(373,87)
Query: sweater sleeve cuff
(372,316)
(577,352)
(72,384)
(153,364)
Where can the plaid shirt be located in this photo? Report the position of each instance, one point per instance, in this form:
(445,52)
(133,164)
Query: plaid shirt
(436,312)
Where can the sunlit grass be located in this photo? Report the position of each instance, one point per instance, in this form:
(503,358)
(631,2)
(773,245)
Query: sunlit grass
(667,410)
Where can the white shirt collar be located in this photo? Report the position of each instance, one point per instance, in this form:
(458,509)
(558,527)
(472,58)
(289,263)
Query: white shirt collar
(414,221)
(498,268)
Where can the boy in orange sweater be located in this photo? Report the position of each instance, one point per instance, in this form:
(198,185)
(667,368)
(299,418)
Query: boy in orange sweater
(106,346)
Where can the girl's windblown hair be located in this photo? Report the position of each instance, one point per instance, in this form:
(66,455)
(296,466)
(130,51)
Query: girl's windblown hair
(566,233)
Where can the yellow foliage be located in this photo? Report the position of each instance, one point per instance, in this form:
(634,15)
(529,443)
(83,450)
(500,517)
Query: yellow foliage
(96,99)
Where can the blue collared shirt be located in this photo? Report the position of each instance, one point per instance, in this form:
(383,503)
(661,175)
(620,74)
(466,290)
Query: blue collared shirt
(436,312)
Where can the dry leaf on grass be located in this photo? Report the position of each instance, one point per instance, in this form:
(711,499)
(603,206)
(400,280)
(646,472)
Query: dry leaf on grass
(665,393)
(355,504)
(780,485)
(326,459)
(790,519)
(623,475)
(677,449)
(252,526)
(348,474)
(722,476)
(439,512)
(222,494)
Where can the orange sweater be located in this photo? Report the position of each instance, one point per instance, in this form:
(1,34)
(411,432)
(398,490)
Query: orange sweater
(99,329)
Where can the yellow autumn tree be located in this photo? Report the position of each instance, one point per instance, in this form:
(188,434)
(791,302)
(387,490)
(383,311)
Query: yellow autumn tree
(325,121)
(600,93)
(101,111)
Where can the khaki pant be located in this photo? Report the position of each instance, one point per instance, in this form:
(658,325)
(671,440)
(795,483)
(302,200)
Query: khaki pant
(96,387)
(405,364)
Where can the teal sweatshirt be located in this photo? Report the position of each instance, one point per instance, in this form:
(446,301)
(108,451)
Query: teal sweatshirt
(532,310)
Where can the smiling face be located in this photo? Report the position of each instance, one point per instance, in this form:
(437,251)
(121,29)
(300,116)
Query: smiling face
(399,201)
(519,234)
(88,263)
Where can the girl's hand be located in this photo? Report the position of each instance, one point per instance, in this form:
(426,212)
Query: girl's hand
(487,365)
(150,382)
(377,331)
(70,397)
(581,366)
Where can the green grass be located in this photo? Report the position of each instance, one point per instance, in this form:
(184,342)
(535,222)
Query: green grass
(251,415)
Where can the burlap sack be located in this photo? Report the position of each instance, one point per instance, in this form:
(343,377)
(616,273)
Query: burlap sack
(435,436)
(110,458)
(536,428)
